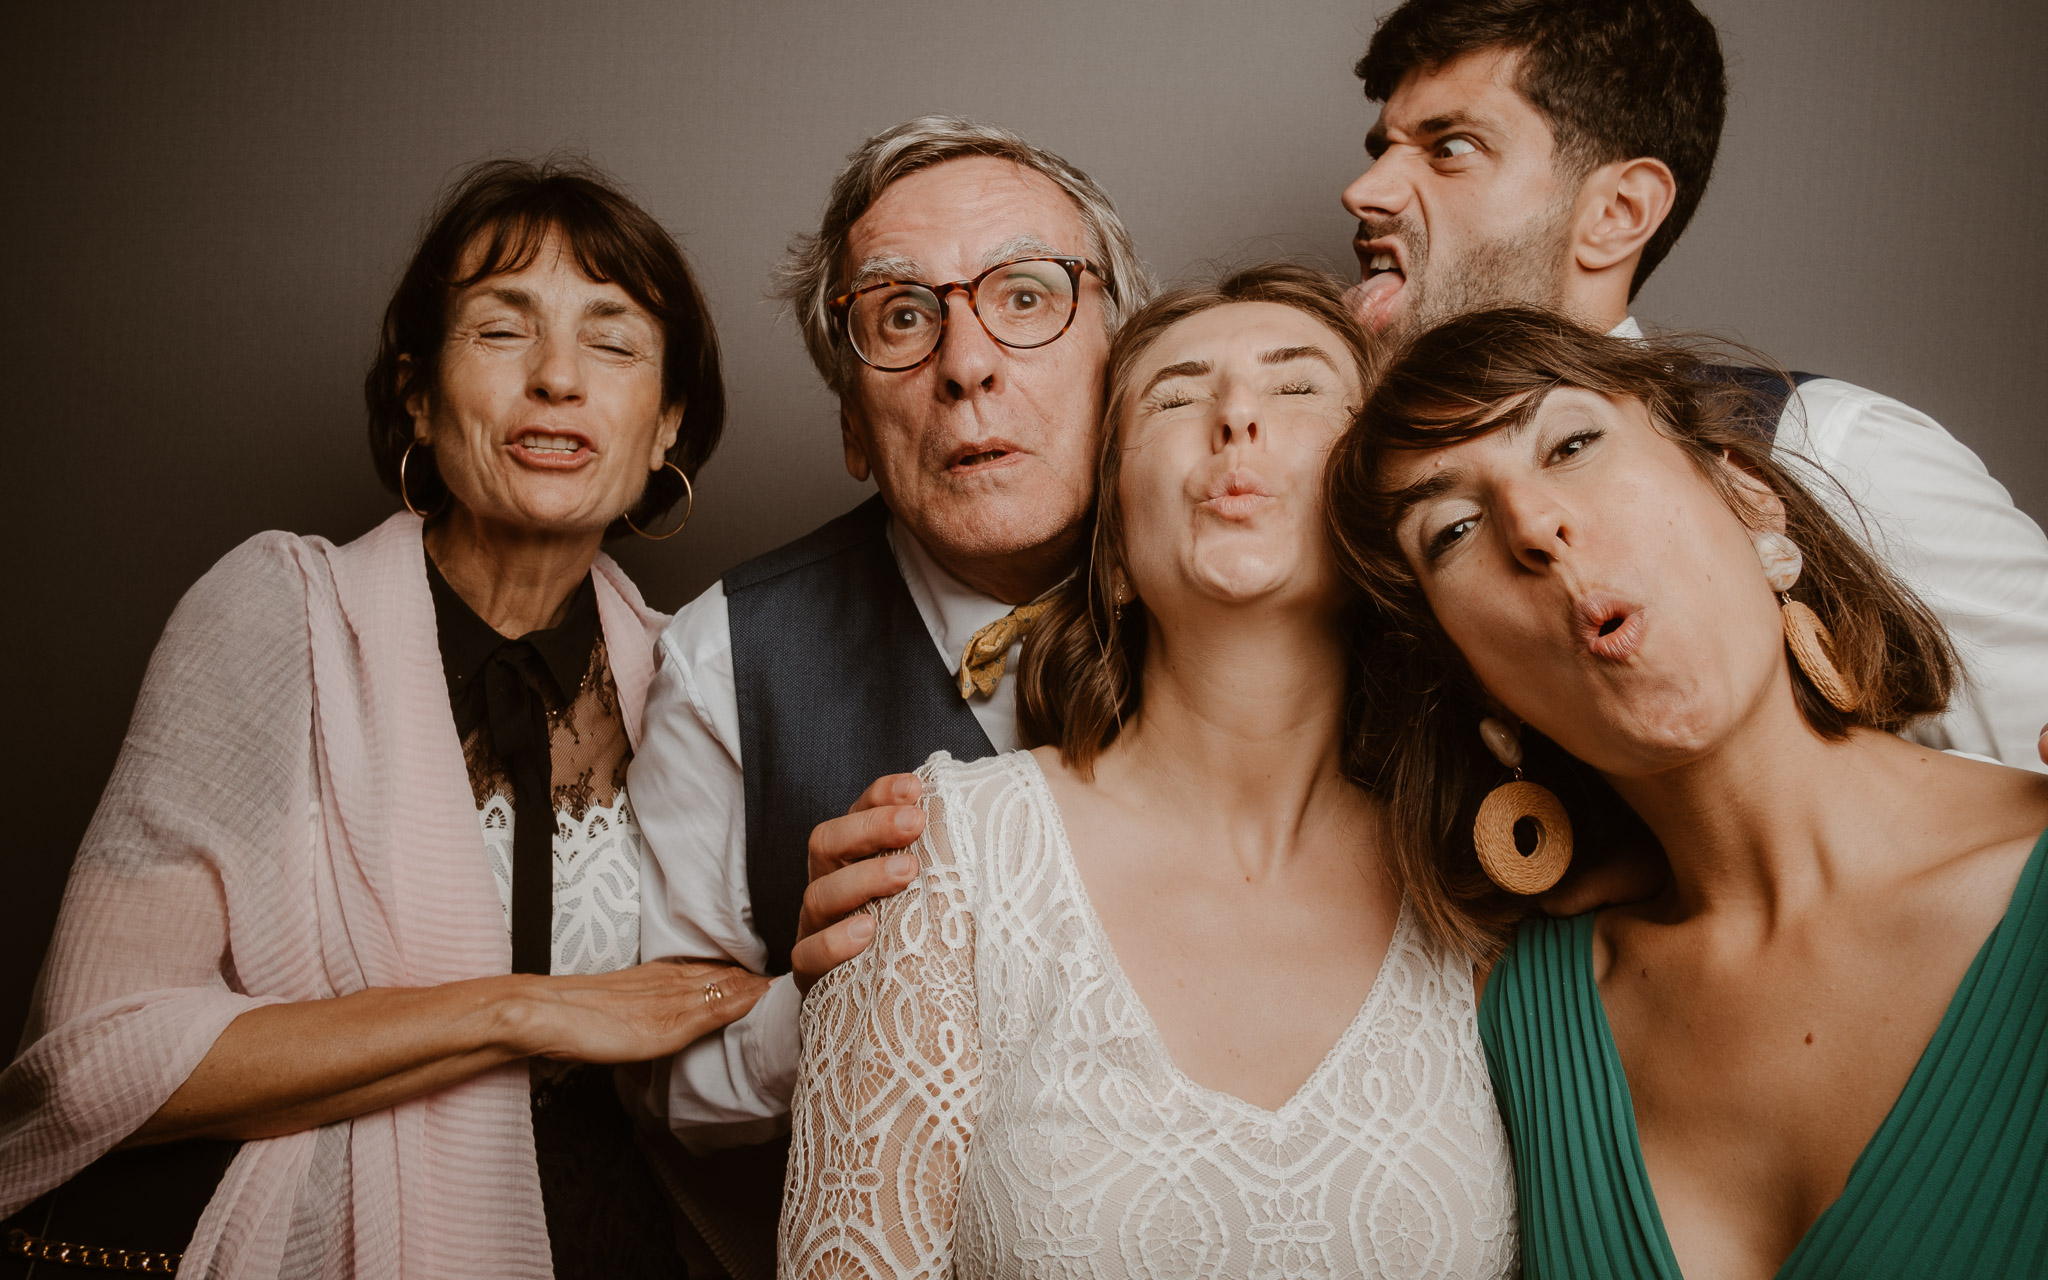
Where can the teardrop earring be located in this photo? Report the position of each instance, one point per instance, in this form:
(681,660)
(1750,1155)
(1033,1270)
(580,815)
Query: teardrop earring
(1507,806)
(1805,634)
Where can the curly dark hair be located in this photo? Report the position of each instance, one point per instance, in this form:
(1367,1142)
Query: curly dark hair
(1616,80)
(504,211)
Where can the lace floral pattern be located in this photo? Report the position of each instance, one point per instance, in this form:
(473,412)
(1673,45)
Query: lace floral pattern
(597,882)
(983,1094)
(597,843)
(586,742)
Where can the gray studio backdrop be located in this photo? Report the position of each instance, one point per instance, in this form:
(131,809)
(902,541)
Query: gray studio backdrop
(209,203)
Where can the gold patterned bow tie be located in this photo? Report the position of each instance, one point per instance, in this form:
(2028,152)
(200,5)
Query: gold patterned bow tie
(981,662)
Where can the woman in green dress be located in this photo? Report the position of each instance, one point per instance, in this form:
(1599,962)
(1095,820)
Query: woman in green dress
(1822,1048)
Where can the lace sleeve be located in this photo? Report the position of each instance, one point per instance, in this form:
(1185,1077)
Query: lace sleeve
(890,1079)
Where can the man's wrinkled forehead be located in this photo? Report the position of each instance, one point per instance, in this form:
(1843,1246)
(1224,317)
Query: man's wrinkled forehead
(878,267)
(954,219)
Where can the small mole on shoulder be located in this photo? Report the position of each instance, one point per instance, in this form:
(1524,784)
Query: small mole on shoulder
(1809,1037)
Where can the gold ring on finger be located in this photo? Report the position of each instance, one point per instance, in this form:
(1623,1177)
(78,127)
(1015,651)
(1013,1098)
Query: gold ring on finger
(712,995)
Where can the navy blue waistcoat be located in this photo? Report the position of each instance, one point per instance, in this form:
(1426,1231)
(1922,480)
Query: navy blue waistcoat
(838,684)
(1770,393)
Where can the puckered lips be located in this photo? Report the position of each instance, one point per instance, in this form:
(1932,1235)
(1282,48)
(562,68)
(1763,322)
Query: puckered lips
(1383,272)
(551,448)
(1610,626)
(982,455)
(1237,494)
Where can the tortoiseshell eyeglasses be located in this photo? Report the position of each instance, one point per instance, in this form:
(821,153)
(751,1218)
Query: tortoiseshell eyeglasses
(897,325)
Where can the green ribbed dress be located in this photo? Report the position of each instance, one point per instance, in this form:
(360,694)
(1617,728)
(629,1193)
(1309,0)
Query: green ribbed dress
(1954,1182)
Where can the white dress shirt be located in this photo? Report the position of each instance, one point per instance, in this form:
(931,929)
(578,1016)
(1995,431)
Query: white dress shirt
(1930,510)
(690,797)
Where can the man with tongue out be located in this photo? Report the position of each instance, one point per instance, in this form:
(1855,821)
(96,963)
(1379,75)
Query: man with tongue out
(1538,152)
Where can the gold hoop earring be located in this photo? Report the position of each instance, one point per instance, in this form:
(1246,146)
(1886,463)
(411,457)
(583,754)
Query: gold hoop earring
(1813,649)
(403,496)
(689,505)
(1508,805)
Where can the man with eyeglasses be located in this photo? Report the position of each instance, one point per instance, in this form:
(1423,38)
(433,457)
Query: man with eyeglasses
(958,298)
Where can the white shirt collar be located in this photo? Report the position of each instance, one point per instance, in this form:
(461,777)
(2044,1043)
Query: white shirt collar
(1628,328)
(952,610)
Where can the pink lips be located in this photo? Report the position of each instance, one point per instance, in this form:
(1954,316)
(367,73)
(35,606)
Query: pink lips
(1236,494)
(1611,627)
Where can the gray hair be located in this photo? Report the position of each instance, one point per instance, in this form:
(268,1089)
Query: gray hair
(810,275)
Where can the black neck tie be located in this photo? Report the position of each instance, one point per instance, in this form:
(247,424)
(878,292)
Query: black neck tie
(518,716)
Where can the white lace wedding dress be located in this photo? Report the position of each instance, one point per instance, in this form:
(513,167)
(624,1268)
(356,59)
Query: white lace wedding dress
(982,1094)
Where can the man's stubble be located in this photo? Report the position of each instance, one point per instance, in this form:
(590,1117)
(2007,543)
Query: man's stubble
(1522,268)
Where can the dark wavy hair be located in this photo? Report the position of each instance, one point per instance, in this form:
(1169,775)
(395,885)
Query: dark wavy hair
(1419,748)
(502,212)
(1078,677)
(1615,79)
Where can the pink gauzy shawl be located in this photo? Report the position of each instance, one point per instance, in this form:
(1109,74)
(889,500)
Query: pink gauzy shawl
(291,819)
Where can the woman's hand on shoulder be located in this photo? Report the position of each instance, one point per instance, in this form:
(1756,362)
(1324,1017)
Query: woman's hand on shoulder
(630,1015)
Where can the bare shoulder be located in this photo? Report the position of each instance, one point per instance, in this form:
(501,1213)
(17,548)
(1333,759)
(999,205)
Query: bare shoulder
(1979,824)
(1078,797)
(1058,776)
(1984,806)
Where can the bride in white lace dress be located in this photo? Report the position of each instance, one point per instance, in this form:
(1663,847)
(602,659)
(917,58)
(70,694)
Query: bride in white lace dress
(1153,1009)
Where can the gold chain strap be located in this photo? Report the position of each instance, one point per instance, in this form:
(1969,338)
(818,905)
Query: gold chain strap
(65,1253)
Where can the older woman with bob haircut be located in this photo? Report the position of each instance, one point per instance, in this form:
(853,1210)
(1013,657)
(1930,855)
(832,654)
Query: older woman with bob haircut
(362,894)
(1822,1048)
(1154,1008)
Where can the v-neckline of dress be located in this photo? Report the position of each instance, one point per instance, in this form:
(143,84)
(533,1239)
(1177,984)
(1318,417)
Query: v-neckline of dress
(1148,1029)
(1860,1171)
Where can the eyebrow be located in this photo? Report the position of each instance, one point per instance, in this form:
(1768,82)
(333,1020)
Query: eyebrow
(1401,501)
(1376,137)
(1284,355)
(1185,369)
(513,297)
(1019,246)
(1196,368)
(525,300)
(896,266)
(884,266)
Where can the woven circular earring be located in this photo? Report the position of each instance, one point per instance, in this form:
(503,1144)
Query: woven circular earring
(1805,634)
(689,505)
(404,458)
(1508,805)
(1813,649)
